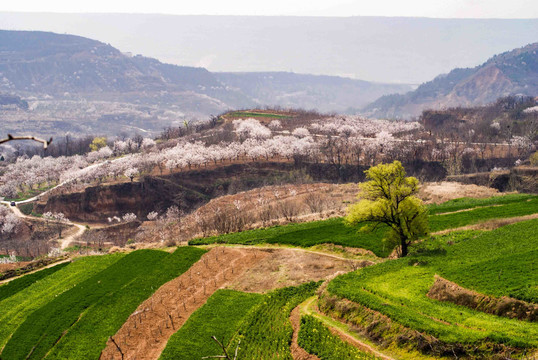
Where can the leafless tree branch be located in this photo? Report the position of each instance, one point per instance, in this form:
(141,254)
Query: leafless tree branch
(13,138)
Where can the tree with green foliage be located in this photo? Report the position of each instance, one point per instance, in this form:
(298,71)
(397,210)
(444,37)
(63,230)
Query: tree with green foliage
(534,159)
(388,198)
(98,143)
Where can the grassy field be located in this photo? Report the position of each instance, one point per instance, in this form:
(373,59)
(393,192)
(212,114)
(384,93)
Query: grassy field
(221,316)
(498,262)
(240,114)
(305,234)
(14,286)
(469,203)
(511,209)
(336,232)
(316,339)
(15,309)
(77,323)
(266,332)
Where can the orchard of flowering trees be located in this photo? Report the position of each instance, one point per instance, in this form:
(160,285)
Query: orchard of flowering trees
(335,140)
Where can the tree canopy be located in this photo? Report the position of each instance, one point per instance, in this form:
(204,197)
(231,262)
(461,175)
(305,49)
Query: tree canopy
(389,198)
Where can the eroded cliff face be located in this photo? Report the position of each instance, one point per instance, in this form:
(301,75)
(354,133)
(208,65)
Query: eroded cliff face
(187,190)
(98,203)
(190,189)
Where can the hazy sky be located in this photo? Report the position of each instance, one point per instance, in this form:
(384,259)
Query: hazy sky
(424,8)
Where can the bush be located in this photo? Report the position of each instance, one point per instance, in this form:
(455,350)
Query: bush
(26,208)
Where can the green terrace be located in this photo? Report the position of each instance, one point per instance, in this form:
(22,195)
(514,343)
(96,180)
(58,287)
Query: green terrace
(445,216)
(500,262)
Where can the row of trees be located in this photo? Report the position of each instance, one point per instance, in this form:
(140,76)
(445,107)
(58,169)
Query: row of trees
(338,140)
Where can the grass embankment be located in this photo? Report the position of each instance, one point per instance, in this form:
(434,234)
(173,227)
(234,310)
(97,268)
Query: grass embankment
(220,316)
(498,262)
(305,235)
(77,323)
(316,339)
(334,230)
(15,309)
(23,282)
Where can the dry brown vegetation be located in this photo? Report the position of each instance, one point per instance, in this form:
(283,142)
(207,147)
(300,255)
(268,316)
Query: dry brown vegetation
(262,207)
(439,192)
(282,204)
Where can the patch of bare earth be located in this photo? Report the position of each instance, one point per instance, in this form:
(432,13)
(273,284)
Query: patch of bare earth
(291,267)
(439,192)
(12,266)
(490,224)
(297,352)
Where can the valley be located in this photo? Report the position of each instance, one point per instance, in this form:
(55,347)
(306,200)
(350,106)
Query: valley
(179,213)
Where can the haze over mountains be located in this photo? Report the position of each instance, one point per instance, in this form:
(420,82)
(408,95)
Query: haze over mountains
(511,73)
(379,49)
(58,83)
(75,84)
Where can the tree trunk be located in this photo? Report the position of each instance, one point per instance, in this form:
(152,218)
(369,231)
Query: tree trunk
(404,247)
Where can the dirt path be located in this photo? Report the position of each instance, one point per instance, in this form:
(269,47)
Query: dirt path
(298,352)
(490,224)
(68,239)
(145,333)
(311,307)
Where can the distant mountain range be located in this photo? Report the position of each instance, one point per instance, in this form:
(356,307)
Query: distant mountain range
(56,84)
(511,73)
(80,85)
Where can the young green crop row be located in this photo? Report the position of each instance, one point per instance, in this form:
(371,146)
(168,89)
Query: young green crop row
(316,339)
(259,324)
(335,231)
(498,262)
(15,309)
(305,234)
(266,332)
(221,316)
(14,286)
(469,203)
(77,322)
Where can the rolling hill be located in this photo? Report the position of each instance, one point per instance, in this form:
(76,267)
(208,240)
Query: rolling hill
(79,85)
(511,73)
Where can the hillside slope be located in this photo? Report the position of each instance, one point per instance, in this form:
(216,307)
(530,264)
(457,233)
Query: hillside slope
(56,83)
(511,73)
(324,93)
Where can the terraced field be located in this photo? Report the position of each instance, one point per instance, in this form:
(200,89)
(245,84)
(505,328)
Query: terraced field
(445,216)
(501,262)
(221,316)
(77,322)
(71,310)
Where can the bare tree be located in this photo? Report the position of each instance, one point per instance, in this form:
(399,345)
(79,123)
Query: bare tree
(225,352)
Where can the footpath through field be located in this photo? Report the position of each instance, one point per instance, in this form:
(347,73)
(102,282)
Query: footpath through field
(309,307)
